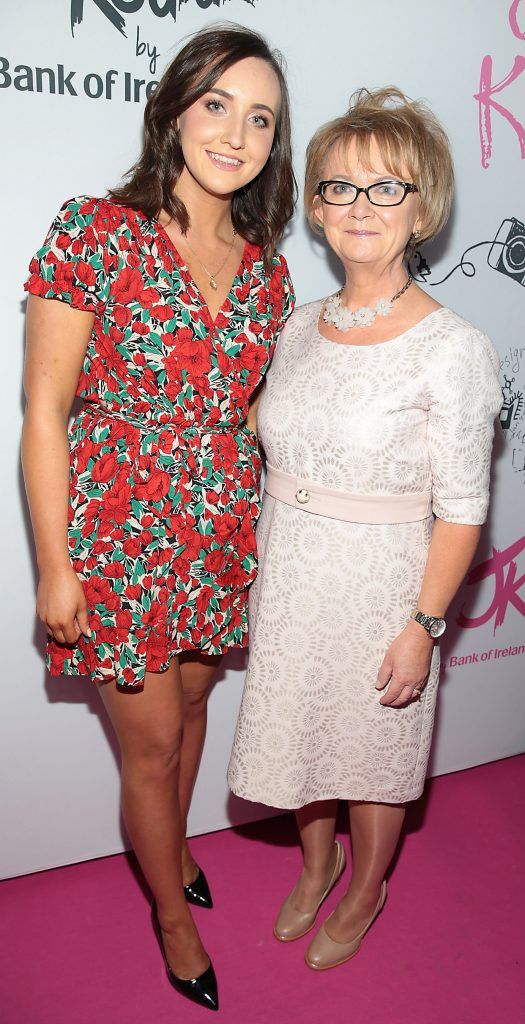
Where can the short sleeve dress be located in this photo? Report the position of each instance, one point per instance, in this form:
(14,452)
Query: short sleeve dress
(164,474)
(412,415)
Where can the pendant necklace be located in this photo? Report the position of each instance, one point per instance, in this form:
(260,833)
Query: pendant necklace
(212,277)
(342,318)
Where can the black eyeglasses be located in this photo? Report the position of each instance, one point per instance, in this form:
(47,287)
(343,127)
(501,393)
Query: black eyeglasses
(390,192)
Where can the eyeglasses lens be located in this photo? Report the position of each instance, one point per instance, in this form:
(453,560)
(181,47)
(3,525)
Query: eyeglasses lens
(384,193)
(387,193)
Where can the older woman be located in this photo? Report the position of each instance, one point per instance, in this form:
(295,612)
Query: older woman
(377,422)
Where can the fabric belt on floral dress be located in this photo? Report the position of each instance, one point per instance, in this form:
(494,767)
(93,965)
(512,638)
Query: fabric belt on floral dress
(145,424)
(373,509)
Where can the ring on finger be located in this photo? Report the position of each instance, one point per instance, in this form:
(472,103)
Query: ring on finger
(416,693)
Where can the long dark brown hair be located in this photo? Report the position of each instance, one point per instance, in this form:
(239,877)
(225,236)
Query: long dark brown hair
(263,207)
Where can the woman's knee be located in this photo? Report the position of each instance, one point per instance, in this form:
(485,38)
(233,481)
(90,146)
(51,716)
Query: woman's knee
(154,756)
(195,701)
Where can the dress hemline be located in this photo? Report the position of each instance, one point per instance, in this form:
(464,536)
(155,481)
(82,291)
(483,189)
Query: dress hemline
(99,679)
(315,798)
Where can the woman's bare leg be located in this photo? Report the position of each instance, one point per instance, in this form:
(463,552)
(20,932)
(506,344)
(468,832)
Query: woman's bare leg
(375,830)
(316,823)
(148,725)
(197,671)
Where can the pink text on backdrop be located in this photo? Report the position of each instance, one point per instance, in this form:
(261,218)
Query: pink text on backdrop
(513,19)
(503,568)
(488,89)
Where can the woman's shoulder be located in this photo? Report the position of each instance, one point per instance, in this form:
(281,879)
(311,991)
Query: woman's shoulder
(77,256)
(301,322)
(100,214)
(457,338)
(306,315)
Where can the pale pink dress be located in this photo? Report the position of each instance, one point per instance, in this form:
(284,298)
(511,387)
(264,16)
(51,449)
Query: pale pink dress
(411,414)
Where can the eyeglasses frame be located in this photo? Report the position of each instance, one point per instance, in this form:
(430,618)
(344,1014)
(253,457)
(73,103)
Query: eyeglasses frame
(407,185)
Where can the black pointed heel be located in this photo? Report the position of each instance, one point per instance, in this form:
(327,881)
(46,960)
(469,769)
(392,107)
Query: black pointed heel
(201,990)
(198,892)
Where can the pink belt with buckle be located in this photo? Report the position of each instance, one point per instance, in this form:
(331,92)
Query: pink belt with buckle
(374,509)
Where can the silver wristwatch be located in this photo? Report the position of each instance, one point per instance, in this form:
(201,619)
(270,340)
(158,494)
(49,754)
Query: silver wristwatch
(434,627)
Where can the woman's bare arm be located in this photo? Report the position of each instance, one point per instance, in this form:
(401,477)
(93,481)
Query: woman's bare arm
(57,338)
(407,662)
(451,551)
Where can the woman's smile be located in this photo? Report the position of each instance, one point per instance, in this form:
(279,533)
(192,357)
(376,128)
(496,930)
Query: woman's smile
(225,163)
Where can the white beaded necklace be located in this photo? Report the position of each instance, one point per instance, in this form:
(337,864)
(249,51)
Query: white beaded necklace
(342,318)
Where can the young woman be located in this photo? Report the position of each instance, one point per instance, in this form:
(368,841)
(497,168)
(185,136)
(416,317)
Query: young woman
(172,297)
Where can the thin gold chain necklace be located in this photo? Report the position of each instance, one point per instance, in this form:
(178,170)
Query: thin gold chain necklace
(212,277)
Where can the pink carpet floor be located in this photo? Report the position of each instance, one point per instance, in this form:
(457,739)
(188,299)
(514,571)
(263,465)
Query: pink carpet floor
(448,949)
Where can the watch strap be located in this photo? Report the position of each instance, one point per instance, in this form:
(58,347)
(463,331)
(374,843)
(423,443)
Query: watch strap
(427,621)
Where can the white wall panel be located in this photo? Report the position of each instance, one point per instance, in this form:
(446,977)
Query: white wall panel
(59,778)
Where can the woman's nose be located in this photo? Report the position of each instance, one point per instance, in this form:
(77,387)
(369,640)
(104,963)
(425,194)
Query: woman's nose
(233,133)
(361,207)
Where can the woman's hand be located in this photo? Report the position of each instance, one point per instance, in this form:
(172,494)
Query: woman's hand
(61,605)
(405,666)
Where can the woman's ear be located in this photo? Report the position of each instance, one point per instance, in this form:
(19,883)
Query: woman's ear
(418,223)
(318,211)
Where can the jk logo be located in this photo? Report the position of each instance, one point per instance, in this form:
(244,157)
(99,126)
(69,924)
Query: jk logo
(507,583)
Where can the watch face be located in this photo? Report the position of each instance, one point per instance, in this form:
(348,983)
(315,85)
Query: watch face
(437,628)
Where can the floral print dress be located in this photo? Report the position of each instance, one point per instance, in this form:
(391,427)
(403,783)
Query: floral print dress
(164,474)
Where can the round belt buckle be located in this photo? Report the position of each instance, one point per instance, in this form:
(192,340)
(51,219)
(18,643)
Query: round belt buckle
(302,496)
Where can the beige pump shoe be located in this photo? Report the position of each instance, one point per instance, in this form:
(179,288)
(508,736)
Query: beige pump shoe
(293,924)
(324,952)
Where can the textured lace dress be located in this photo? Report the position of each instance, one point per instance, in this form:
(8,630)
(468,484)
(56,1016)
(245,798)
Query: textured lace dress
(412,414)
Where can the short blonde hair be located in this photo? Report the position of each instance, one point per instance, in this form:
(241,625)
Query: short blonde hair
(410,139)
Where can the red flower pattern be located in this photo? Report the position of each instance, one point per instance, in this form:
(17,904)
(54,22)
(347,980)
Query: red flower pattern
(164,479)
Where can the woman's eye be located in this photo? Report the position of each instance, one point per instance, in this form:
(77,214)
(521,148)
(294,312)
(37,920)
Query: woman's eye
(214,105)
(259,121)
(341,189)
(389,188)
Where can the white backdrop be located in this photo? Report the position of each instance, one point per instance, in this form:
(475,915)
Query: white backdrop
(73,129)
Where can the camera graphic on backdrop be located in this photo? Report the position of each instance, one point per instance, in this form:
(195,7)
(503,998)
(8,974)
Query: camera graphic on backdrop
(507,253)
